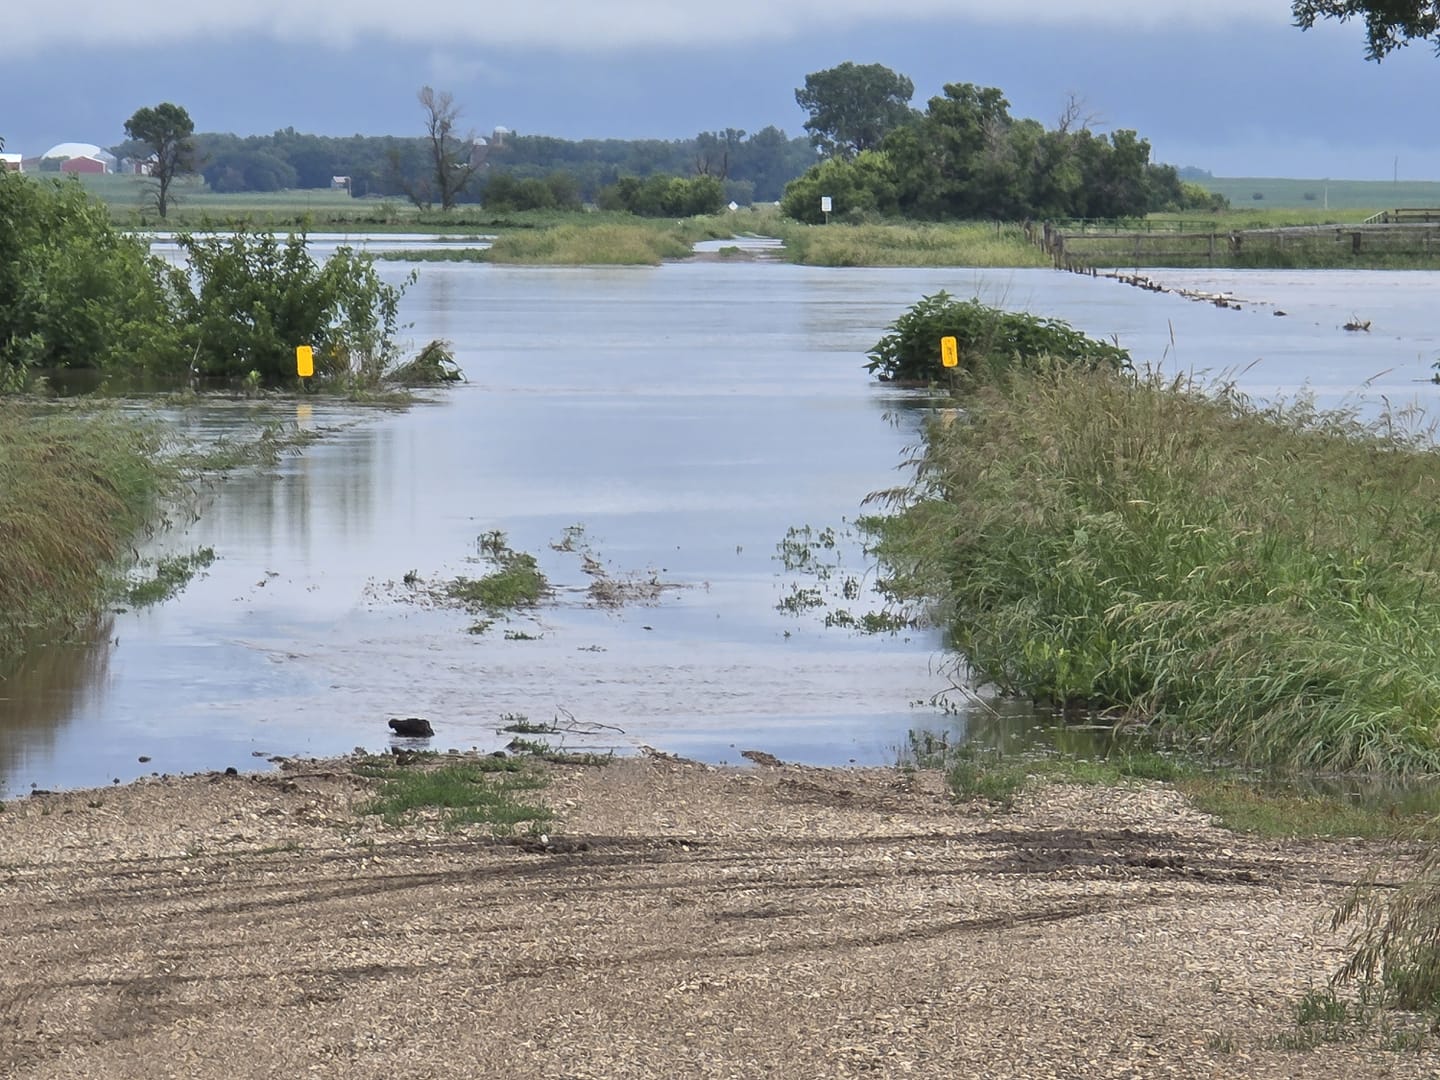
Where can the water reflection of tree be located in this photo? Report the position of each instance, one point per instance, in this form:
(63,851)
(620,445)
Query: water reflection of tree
(326,494)
(49,687)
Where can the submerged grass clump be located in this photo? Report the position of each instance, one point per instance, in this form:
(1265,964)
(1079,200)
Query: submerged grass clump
(516,582)
(1265,580)
(170,574)
(74,489)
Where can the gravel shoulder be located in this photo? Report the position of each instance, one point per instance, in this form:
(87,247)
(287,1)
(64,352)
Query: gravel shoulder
(677,921)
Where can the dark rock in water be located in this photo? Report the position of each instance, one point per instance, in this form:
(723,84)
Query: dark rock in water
(413,727)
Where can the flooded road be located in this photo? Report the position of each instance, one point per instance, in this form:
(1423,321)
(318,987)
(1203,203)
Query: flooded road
(684,418)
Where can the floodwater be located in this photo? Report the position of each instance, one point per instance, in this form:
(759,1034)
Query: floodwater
(682,418)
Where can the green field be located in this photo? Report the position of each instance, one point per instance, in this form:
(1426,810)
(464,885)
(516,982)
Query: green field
(130,201)
(1281,193)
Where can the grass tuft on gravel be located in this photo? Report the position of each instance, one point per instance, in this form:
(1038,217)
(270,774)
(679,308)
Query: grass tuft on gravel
(486,791)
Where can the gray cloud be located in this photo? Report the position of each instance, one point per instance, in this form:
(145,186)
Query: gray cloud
(585,25)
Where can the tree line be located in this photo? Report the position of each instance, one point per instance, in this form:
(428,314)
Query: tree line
(966,157)
(751,167)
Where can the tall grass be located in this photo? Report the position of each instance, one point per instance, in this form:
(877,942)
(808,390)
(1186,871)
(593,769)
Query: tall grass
(73,491)
(607,243)
(1266,579)
(902,244)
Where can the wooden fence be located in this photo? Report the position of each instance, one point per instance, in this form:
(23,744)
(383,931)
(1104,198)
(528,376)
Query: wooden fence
(1410,235)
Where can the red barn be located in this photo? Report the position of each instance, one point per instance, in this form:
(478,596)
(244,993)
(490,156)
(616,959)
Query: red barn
(83,165)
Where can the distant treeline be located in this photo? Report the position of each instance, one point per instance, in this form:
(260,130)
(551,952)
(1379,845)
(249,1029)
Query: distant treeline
(966,158)
(750,167)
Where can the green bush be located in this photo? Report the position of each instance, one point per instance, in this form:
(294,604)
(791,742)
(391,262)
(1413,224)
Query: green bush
(256,297)
(865,185)
(76,292)
(991,342)
(664,196)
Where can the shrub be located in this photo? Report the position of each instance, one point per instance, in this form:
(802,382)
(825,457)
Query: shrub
(256,297)
(75,292)
(990,341)
(855,188)
(664,196)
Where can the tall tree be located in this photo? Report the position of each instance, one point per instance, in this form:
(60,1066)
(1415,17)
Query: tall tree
(854,106)
(451,160)
(165,131)
(1389,24)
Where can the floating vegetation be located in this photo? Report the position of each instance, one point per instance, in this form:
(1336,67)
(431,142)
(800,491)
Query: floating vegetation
(433,365)
(170,574)
(818,555)
(607,589)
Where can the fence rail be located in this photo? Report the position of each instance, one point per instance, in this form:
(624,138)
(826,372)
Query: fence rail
(1404,234)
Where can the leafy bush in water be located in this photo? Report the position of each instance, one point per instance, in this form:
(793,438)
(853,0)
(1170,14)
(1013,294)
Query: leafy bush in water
(255,297)
(990,341)
(75,292)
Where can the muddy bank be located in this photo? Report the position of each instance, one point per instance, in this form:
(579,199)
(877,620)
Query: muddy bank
(677,920)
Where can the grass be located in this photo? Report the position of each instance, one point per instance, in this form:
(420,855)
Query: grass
(1317,194)
(485,791)
(1321,1016)
(1240,801)
(636,243)
(516,582)
(1263,581)
(970,244)
(74,489)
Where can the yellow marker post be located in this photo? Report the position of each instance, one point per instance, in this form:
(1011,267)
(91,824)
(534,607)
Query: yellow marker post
(949,352)
(304,361)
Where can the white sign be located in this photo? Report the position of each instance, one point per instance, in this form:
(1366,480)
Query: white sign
(825,204)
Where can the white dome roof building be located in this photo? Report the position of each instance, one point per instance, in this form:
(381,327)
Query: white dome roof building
(69,151)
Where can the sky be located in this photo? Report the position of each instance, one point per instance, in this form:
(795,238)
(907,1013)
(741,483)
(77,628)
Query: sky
(1226,85)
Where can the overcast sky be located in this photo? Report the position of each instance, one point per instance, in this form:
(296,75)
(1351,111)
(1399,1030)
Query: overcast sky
(1229,85)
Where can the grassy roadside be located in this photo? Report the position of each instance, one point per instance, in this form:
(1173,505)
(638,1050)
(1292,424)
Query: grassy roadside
(1238,799)
(74,490)
(1263,582)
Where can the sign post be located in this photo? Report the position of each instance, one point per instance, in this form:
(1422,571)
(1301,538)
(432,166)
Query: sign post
(825,207)
(304,361)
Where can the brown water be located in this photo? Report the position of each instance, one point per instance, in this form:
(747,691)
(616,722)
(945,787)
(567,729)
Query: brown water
(686,417)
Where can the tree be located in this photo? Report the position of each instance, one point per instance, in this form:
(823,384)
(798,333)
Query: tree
(1389,24)
(955,161)
(854,106)
(451,160)
(165,131)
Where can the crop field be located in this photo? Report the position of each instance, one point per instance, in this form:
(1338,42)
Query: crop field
(1282,193)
